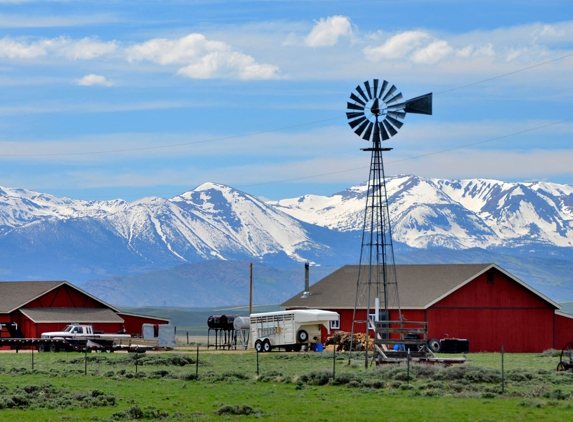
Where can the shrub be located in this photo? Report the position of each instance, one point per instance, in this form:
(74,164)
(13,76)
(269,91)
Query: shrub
(237,410)
(343,378)
(316,378)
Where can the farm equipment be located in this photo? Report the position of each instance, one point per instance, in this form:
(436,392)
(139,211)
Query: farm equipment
(566,353)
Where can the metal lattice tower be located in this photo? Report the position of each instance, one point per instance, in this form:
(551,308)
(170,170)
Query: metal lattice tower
(375,115)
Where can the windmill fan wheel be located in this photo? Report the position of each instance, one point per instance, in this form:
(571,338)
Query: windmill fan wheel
(374,112)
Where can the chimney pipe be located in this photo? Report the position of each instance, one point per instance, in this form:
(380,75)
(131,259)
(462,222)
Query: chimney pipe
(306,292)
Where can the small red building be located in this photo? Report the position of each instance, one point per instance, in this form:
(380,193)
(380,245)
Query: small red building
(41,306)
(479,302)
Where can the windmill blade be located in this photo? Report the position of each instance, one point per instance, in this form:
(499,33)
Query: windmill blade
(367,85)
(395,122)
(394,98)
(354,123)
(361,128)
(383,132)
(353,106)
(354,115)
(395,114)
(383,88)
(368,132)
(419,105)
(399,106)
(376,138)
(375,88)
(356,99)
(389,93)
(389,128)
(361,92)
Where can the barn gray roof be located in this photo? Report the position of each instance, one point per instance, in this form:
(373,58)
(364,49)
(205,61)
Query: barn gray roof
(419,286)
(72,315)
(15,294)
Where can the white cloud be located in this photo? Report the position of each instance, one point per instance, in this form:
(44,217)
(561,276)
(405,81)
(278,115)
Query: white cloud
(85,48)
(397,46)
(91,79)
(432,53)
(327,31)
(203,58)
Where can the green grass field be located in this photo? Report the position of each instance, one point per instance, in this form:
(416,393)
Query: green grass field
(290,386)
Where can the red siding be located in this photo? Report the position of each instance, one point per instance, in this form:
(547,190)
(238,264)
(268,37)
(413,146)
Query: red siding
(518,330)
(490,315)
(133,324)
(64,297)
(563,331)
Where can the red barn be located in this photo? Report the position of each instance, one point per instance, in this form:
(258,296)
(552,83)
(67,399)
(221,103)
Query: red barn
(479,302)
(41,306)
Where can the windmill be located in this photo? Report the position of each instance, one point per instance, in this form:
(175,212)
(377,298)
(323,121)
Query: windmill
(375,113)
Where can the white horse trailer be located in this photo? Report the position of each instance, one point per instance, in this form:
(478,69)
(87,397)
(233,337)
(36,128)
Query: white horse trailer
(289,329)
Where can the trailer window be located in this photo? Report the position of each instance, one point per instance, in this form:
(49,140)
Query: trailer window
(335,325)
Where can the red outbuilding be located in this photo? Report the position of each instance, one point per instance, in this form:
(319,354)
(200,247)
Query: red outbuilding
(41,306)
(481,303)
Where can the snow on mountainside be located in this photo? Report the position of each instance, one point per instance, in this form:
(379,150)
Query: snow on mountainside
(452,214)
(101,238)
(42,236)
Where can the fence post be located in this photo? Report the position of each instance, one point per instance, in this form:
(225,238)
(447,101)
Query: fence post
(502,372)
(257,362)
(187,338)
(32,358)
(86,360)
(197,363)
(334,361)
(408,365)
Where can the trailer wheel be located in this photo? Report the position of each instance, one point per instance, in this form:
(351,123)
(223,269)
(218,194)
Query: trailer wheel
(266,346)
(259,346)
(434,345)
(561,366)
(53,347)
(296,348)
(302,336)
(288,348)
(41,348)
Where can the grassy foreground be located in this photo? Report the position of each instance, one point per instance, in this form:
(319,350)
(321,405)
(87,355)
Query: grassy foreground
(290,386)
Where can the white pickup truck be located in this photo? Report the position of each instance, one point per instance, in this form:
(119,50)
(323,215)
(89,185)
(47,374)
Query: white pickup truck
(81,332)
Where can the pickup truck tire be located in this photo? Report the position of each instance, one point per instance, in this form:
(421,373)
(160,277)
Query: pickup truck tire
(41,348)
(302,336)
(266,346)
(54,348)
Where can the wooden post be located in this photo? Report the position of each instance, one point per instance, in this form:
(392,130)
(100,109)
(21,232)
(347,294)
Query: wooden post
(187,338)
(334,361)
(502,372)
(197,363)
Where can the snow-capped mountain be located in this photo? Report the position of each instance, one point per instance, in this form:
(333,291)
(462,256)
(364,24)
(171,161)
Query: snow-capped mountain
(42,236)
(456,214)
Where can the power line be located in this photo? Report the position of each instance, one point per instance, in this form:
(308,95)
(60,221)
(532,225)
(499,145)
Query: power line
(225,138)
(416,156)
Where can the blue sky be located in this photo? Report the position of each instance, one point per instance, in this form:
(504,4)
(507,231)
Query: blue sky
(107,99)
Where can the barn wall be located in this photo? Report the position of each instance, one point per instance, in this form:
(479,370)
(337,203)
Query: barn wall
(133,323)
(490,315)
(563,331)
(64,297)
